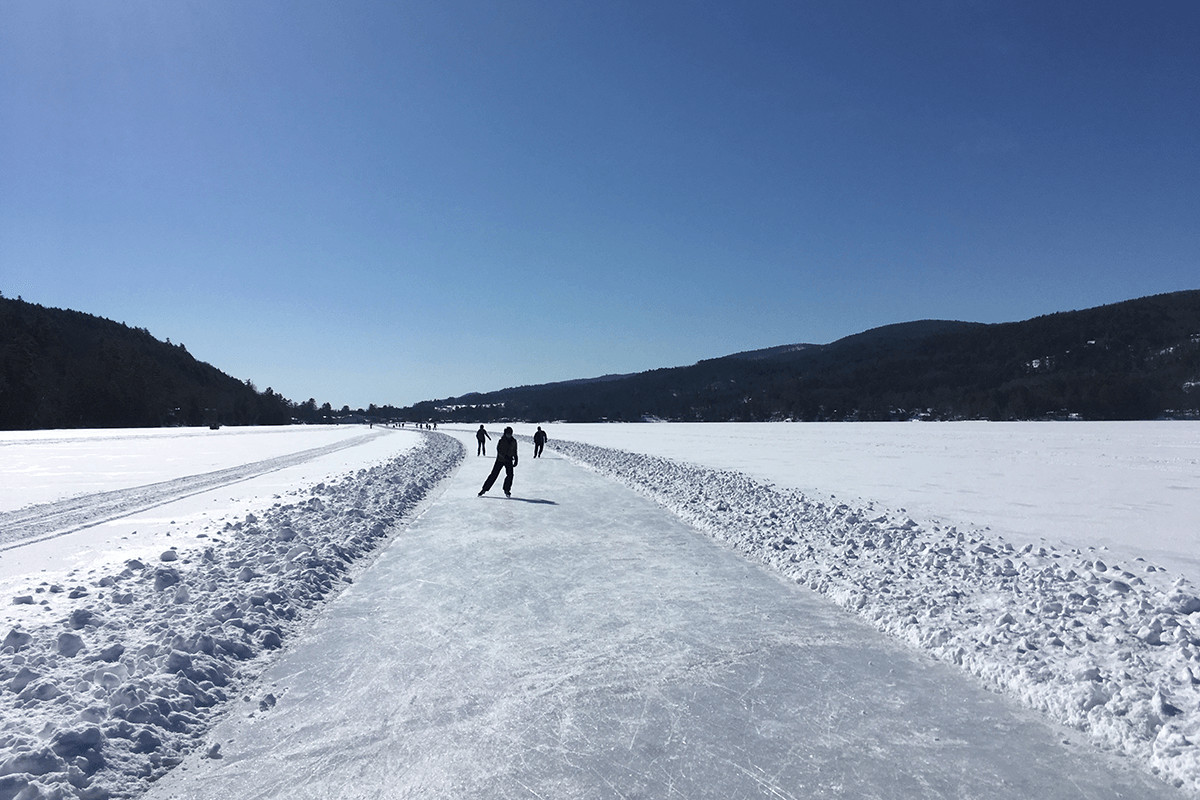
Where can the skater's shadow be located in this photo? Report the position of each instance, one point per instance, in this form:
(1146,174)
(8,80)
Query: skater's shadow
(525,500)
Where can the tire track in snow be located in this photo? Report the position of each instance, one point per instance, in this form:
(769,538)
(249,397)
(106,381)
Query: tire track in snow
(49,520)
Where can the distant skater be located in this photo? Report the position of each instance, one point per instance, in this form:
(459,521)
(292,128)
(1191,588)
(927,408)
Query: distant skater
(506,459)
(539,441)
(481,436)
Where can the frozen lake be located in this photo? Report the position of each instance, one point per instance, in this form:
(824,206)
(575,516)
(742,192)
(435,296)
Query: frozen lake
(184,564)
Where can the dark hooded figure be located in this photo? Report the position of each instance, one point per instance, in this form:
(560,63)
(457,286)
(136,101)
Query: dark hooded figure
(481,436)
(506,459)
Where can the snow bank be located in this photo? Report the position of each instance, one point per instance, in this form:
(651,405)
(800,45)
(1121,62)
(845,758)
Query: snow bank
(134,666)
(1109,649)
(1133,487)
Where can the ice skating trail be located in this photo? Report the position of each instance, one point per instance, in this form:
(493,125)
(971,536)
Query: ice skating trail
(579,641)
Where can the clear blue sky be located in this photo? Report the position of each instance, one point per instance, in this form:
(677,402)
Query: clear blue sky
(384,202)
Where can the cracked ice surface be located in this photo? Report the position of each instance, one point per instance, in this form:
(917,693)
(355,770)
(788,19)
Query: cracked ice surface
(581,641)
(1112,649)
(558,643)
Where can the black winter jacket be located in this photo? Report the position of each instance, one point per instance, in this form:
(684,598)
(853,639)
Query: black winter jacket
(506,448)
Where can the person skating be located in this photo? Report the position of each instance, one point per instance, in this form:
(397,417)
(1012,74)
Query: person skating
(506,459)
(481,436)
(539,441)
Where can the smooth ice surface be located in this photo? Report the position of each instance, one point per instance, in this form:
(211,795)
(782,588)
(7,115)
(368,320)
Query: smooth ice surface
(580,641)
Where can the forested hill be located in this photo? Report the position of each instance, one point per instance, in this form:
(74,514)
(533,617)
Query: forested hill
(66,369)
(1138,359)
(1134,360)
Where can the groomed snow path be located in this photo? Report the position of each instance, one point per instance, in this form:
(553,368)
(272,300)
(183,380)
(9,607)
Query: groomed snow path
(578,641)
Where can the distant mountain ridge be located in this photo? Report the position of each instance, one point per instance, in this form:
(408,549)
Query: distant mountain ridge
(1139,359)
(907,331)
(898,331)
(771,352)
(66,369)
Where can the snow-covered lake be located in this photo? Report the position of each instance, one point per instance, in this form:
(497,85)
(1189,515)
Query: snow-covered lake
(45,466)
(1133,487)
(152,575)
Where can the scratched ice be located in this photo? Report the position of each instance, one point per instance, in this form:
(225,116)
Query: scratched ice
(591,645)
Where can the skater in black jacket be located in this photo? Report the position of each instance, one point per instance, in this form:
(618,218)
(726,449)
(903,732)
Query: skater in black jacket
(539,441)
(506,459)
(481,436)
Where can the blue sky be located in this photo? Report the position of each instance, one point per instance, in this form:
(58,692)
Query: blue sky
(384,202)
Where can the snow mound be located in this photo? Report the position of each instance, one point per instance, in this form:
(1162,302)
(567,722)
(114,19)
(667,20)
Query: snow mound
(1109,649)
(135,667)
